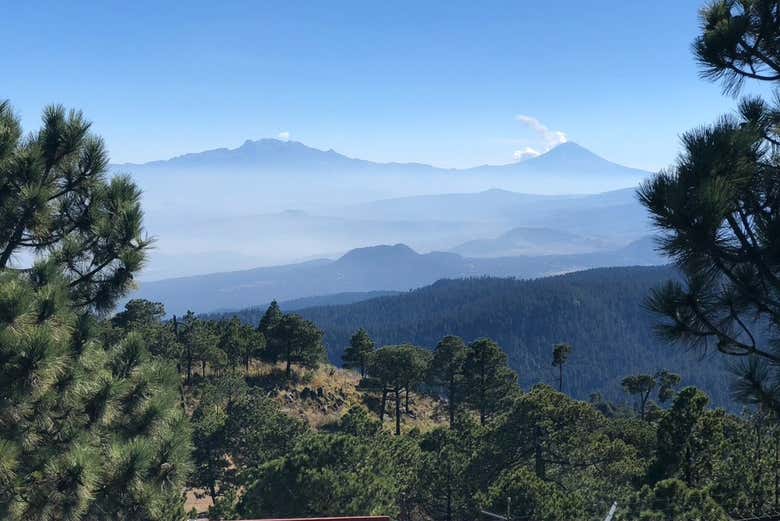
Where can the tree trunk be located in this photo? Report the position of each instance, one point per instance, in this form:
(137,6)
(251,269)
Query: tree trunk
(406,401)
(449,503)
(449,491)
(482,392)
(16,237)
(777,469)
(560,378)
(451,398)
(688,470)
(288,371)
(482,413)
(397,411)
(643,404)
(383,406)
(539,467)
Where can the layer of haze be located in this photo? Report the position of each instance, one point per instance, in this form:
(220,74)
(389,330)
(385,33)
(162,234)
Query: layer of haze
(320,116)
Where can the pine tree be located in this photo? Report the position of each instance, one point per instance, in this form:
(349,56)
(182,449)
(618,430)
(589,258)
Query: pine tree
(272,316)
(56,199)
(447,371)
(640,385)
(489,381)
(561,354)
(360,348)
(398,369)
(442,484)
(674,435)
(139,313)
(198,341)
(87,430)
(643,385)
(295,340)
(718,207)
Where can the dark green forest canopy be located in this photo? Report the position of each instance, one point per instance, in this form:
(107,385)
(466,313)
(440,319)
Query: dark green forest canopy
(600,312)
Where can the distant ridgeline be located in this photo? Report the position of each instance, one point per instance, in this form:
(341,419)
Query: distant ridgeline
(600,312)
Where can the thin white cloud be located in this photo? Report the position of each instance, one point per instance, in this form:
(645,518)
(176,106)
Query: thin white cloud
(284,136)
(550,138)
(525,153)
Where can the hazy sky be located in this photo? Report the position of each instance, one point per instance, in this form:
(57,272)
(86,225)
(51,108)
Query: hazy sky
(435,82)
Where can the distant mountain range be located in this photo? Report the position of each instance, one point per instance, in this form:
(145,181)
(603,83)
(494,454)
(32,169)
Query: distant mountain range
(385,268)
(615,212)
(525,240)
(273,155)
(481,224)
(272,202)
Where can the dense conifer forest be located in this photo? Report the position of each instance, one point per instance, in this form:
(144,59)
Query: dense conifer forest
(601,313)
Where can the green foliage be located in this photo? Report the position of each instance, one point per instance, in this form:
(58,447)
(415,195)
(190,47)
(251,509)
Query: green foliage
(91,424)
(556,457)
(199,344)
(531,498)
(236,429)
(717,206)
(446,371)
(442,492)
(561,354)
(88,431)
(360,348)
(335,474)
(600,312)
(272,316)
(357,422)
(642,385)
(240,343)
(672,500)
(295,340)
(675,435)
(562,441)
(488,380)
(739,42)
(397,369)
(56,199)
(139,313)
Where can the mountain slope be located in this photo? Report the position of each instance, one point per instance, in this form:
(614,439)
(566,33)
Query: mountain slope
(606,213)
(600,312)
(271,155)
(525,240)
(566,158)
(393,268)
(426,223)
(293,156)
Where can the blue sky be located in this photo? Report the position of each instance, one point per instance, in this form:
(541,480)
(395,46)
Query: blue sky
(434,82)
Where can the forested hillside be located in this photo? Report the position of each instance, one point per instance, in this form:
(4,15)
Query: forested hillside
(374,268)
(600,312)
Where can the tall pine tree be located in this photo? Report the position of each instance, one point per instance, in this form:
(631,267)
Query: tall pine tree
(87,431)
(360,348)
(718,206)
(489,381)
